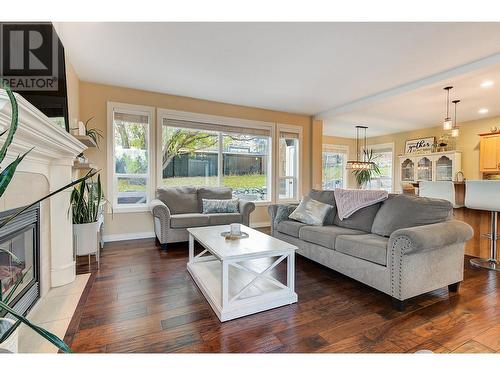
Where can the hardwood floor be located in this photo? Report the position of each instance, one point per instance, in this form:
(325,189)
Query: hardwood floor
(143,300)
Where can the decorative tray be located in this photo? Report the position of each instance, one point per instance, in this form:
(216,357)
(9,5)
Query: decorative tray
(228,236)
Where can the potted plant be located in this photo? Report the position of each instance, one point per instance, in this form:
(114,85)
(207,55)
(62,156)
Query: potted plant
(86,202)
(364,176)
(8,335)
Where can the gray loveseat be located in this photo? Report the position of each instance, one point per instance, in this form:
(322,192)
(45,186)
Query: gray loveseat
(177,208)
(404,246)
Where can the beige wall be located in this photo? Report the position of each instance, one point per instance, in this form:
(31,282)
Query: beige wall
(73,87)
(316,163)
(351,144)
(93,100)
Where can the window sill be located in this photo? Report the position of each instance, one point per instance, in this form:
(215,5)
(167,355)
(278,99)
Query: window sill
(262,203)
(125,210)
(288,201)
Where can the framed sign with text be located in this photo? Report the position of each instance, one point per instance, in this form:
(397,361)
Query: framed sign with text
(420,145)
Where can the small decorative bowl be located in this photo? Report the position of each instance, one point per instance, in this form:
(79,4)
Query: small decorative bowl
(228,236)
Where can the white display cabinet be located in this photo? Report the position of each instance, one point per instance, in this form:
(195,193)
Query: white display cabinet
(436,166)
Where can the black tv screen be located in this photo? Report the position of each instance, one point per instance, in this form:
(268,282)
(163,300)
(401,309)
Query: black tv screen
(32,63)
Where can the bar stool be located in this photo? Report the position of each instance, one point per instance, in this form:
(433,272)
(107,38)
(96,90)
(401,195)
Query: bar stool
(485,195)
(438,189)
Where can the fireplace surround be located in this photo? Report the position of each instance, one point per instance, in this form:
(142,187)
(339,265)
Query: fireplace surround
(45,169)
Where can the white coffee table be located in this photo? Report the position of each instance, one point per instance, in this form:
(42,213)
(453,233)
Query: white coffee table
(234,275)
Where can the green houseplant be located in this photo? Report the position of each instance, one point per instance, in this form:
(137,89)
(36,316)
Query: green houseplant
(86,203)
(6,175)
(364,176)
(93,133)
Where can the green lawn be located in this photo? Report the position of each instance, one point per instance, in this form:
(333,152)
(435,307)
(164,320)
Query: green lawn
(235,182)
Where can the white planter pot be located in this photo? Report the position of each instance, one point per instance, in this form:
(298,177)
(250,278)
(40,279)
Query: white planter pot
(10,343)
(86,238)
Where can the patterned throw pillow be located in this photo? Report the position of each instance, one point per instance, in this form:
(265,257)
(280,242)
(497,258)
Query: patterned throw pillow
(311,212)
(283,213)
(220,206)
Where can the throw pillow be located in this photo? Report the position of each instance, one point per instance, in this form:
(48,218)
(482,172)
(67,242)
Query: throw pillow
(311,211)
(283,213)
(220,206)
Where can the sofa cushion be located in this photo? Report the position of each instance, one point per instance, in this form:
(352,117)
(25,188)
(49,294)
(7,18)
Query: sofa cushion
(325,196)
(311,212)
(325,236)
(207,192)
(188,220)
(221,219)
(370,247)
(180,200)
(360,220)
(405,211)
(290,227)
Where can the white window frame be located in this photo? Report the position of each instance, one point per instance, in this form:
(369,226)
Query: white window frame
(217,120)
(288,129)
(112,188)
(334,148)
(382,146)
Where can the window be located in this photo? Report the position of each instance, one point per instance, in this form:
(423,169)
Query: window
(216,154)
(334,166)
(383,157)
(129,156)
(288,163)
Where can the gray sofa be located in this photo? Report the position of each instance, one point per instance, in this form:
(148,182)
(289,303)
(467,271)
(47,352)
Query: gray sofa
(404,246)
(177,208)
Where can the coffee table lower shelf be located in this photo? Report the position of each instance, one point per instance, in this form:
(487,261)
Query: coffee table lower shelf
(264,293)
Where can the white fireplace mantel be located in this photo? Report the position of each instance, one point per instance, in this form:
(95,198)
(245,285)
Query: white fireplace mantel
(53,154)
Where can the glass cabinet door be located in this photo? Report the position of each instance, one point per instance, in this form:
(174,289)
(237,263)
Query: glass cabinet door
(444,167)
(424,169)
(407,170)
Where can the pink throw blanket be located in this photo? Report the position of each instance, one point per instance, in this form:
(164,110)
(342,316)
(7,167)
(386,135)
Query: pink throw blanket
(350,200)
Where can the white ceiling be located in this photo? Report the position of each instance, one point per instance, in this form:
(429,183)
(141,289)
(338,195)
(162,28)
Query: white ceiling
(422,107)
(324,69)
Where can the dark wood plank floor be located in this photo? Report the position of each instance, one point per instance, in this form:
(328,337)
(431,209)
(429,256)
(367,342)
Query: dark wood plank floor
(143,300)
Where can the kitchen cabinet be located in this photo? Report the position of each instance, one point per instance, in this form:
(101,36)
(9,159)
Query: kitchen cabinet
(489,153)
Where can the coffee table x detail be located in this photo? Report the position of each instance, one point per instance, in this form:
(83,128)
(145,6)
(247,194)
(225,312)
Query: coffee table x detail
(235,276)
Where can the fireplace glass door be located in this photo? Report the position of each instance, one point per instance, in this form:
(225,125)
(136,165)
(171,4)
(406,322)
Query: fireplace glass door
(17,262)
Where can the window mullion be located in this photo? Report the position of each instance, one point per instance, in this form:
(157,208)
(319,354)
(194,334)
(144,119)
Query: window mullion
(220,161)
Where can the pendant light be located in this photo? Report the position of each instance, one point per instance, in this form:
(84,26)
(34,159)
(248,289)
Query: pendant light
(455,130)
(360,165)
(447,124)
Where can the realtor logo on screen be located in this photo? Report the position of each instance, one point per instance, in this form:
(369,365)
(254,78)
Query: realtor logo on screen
(29,56)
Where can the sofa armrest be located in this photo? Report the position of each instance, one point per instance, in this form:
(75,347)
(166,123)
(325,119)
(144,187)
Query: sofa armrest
(426,258)
(432,236)
(159,209)
(246,208)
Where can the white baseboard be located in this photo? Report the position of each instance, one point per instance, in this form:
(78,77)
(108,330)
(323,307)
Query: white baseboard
(127,236)
(140,235)
(260,224)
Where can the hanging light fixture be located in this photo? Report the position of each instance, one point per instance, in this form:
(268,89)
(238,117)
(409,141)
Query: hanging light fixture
(360,165)
(447,124)
(455,130)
